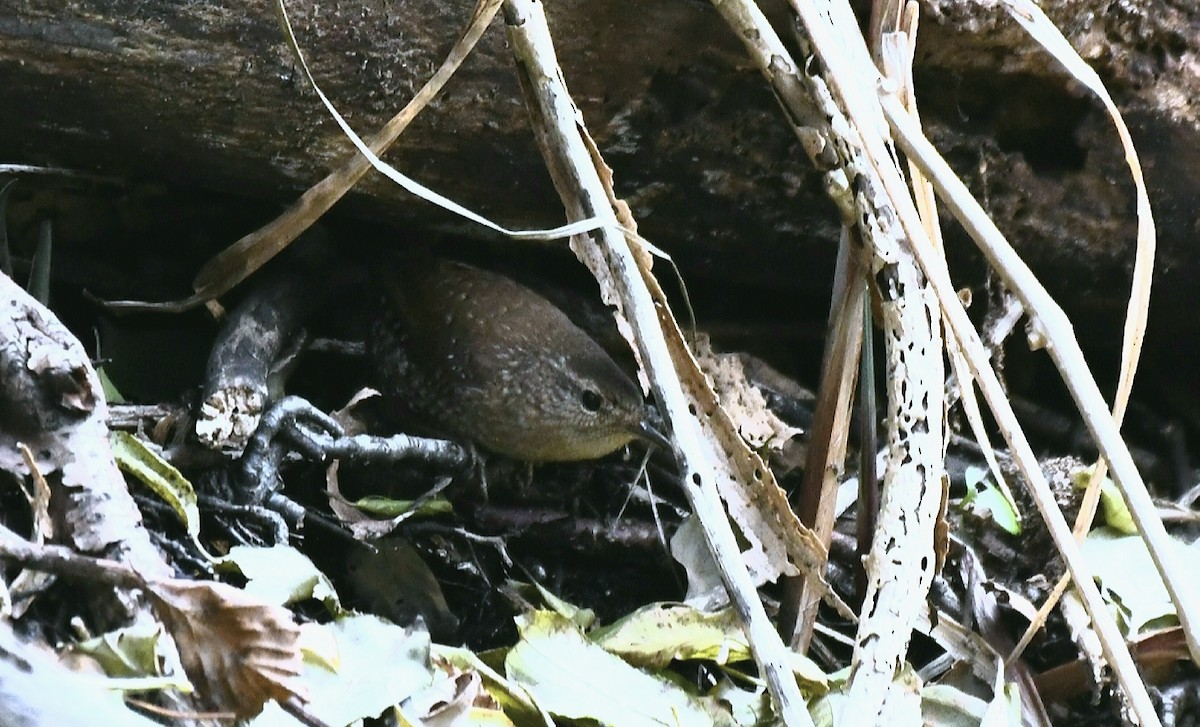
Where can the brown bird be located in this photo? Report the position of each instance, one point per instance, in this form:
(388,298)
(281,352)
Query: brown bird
(477,355)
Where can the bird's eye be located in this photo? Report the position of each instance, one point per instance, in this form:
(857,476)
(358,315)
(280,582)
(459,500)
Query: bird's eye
(591,400)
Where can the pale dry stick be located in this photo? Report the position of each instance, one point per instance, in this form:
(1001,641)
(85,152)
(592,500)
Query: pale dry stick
(896,56)
(1039,26)
(827,439)
(576,176)
(845,75)
(897,50)
(901,562)
(915,146)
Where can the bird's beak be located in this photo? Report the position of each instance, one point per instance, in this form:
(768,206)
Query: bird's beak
(647,433)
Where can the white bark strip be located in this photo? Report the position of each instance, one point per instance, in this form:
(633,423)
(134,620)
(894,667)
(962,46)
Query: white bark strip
(901,562)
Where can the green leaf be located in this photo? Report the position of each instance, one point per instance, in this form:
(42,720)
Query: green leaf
(379,665)
(1112,504)
(387,508)
(1129,578)
(136,458)
(138,654)
(571,677)
(986,500)
(281,575)
(583,618)
(659,633)
(111,395)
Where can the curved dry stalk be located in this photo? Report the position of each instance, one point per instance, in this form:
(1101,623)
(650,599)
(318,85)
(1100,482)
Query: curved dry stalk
(414,187)
(1035,22)
(1115,649)
(251,252)
(239,260)
(1040,28)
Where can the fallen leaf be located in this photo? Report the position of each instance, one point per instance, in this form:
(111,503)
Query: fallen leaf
(238,651)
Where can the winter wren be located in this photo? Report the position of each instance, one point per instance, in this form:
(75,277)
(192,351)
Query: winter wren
(476,355)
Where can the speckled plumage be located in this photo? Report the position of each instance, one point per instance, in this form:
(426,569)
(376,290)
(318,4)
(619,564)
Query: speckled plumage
(477,355)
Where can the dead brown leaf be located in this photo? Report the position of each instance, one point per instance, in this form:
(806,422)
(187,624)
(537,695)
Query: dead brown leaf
(745,404)
(239,652)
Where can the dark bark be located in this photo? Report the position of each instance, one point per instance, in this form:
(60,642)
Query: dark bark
(205,95)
